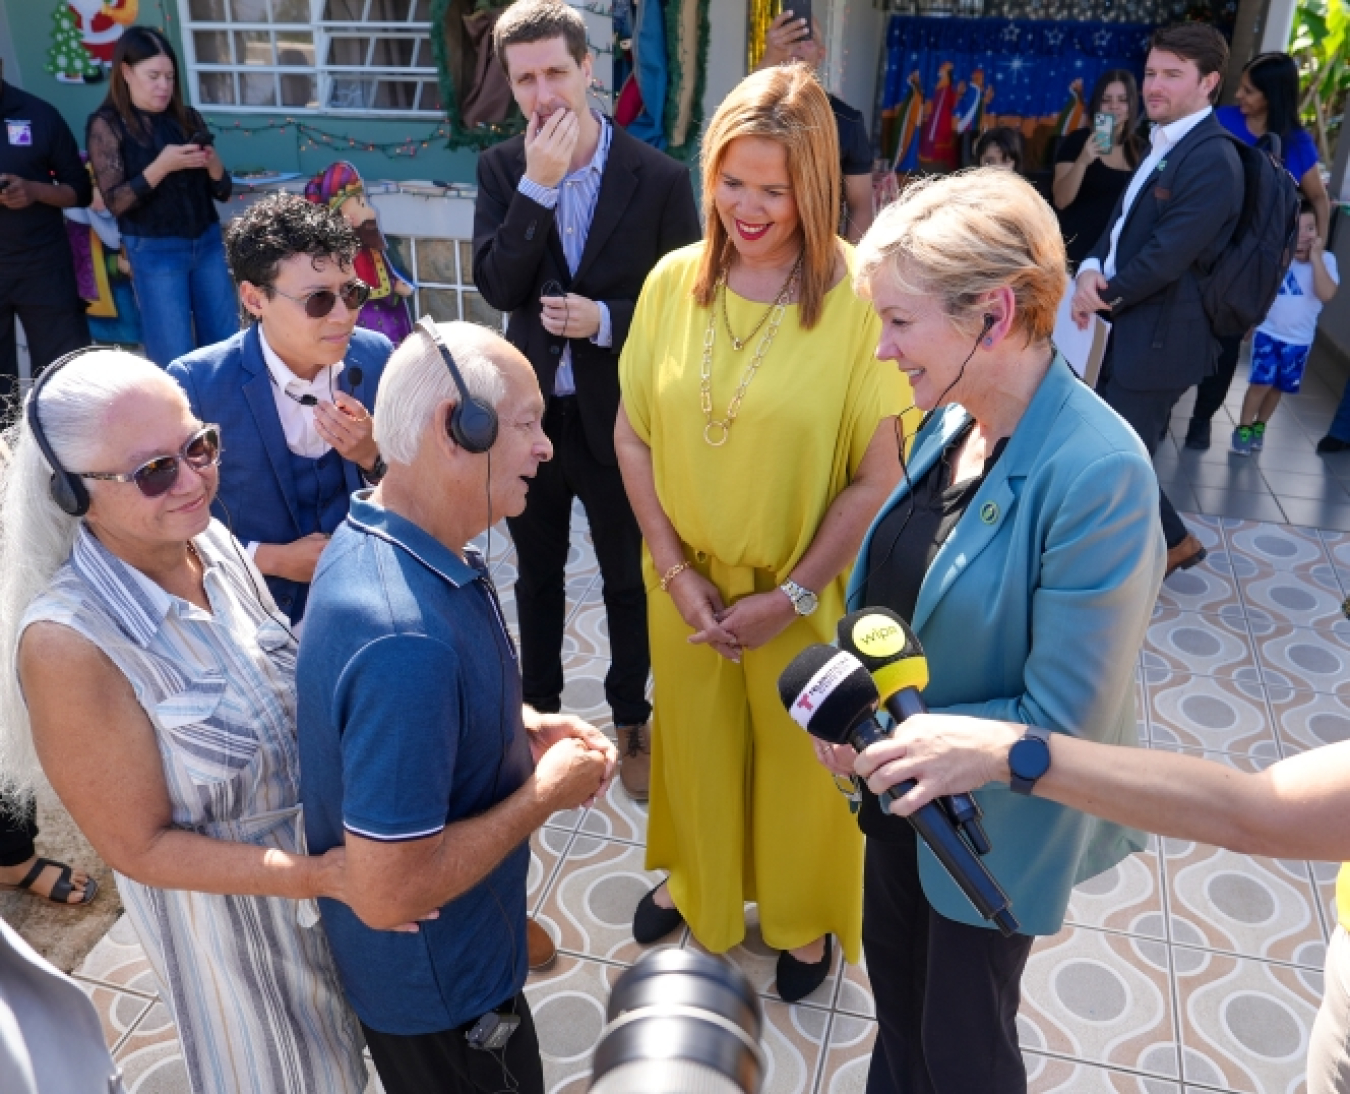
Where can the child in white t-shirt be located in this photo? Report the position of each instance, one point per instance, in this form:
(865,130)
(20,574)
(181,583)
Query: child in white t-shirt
(1282,342)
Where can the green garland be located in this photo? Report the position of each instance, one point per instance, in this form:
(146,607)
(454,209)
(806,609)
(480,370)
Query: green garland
(479,137)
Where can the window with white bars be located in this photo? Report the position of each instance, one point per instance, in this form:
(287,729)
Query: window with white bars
(311,56)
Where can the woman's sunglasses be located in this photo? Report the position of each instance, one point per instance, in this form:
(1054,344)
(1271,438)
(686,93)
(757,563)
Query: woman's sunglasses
(156,477)
(318,304)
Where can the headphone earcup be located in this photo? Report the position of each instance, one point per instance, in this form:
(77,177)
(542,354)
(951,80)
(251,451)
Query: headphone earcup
(70,494)
(473,426)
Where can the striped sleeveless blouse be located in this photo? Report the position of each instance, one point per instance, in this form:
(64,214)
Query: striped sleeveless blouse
(250,980)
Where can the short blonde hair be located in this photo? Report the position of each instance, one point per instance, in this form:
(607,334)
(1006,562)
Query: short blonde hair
(961,237)
(785,104)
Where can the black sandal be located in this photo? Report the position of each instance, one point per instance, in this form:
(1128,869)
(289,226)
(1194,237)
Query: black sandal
(61,889)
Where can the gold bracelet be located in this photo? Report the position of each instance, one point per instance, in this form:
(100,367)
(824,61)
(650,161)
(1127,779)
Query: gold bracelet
(673,573)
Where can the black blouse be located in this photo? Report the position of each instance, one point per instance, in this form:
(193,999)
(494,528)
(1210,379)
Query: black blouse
(1089,214)
(182,205)
(903,548)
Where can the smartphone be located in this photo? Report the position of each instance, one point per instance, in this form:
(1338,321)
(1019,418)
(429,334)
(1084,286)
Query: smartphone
(801,9)
(1104,131)
(202,137)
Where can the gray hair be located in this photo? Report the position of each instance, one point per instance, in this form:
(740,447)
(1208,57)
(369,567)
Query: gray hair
(36,536)
(416,381)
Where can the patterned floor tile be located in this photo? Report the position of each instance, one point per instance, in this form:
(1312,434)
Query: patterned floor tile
(568,1002)
(590,906)
(1197,643)
(759,961)
(1209,712)
(1245,1023)
(855,991)
(1101,998)
(1128,898)
(1308,598)
(617,816)
(118,1011)
(1052,1075)
(1303,659)
(1275,545)
(1202,589)
(547,847)
(794,1042)
(1255,907)
(584,689)
(847,1056)
(119,960)
(1324,876)
(1309,719)
(587,632)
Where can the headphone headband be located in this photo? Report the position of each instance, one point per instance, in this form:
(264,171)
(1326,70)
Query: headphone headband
(473,422)
(68,491)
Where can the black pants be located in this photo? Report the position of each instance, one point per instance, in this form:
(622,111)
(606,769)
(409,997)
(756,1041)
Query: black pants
(542,539)
(443,1063)
(946,993)
(18,830)
(1213,390)
(1148,414)
(52,329)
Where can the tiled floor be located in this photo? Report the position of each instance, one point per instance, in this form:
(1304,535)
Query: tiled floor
(1186,969)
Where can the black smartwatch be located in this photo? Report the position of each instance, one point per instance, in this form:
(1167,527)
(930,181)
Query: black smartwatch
(376,472)
(1029,759)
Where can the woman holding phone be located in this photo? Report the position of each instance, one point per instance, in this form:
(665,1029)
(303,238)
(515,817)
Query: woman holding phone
(161,177)
(1094,164)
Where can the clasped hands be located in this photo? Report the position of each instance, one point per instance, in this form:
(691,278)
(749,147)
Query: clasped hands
(1087,297)
(748,624)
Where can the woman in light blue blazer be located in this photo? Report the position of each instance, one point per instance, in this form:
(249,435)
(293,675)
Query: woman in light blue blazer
(1024,546)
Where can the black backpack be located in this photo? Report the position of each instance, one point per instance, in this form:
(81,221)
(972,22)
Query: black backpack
(1245,278)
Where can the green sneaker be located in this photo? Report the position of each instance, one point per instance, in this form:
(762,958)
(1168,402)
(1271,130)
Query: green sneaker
(1242,440)
(1258,436)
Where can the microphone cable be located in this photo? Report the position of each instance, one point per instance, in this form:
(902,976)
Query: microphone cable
(873,570)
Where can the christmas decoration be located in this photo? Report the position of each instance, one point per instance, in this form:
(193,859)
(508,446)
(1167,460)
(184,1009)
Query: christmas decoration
(67,59)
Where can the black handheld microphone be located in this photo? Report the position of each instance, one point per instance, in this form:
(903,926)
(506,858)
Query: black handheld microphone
(354,374)
(829,693)
(890,652)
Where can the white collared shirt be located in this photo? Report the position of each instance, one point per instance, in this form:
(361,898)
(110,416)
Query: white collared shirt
(297,421)
(1163,139)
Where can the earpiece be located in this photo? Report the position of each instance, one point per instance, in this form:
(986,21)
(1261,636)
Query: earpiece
(473,422)
(68,491)
(989,321)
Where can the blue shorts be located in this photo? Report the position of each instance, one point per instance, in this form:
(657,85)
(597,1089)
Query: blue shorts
(1278,364)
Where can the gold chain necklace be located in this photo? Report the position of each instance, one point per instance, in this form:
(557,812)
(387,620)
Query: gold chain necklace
(739,344)
(717,430)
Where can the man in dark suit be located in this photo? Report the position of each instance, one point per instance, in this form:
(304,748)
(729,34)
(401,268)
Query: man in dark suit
(570,219)
(1174,219)
(291,393)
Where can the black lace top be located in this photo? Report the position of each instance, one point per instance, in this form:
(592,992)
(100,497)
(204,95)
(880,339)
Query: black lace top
(182,205)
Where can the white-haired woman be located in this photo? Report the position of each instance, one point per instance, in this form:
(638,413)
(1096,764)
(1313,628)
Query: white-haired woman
(156,684)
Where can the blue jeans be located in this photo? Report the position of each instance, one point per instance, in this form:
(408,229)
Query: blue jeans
(184,293)
(1340,425)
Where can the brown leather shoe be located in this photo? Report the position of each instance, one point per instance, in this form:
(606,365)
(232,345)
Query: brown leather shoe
(542,951)
(1189,552)
(635,759)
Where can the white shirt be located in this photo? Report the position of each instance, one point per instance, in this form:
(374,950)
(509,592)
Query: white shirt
(1292,319)
(297,421)
(1163,139)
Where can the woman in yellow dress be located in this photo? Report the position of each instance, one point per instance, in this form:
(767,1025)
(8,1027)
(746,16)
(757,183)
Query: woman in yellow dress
(757,438)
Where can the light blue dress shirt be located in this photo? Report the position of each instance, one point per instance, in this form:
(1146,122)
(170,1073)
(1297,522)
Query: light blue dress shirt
(575,198)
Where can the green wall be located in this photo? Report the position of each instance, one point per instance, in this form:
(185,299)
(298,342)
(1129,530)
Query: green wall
(30,21)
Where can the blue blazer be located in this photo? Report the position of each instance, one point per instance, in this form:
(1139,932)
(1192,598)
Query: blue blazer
(1034,611)
(228,384)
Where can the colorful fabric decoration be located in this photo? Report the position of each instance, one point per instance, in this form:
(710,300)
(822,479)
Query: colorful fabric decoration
(340,187)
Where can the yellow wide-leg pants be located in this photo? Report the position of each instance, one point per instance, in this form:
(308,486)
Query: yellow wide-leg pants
(741,810)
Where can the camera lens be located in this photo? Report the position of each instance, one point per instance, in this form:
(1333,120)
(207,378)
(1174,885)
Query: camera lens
(680,1022)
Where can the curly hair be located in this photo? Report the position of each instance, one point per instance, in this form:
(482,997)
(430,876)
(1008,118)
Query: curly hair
(279,227)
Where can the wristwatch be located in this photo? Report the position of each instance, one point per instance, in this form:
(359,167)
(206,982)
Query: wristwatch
(376,472)
(1029,759)
(804,601)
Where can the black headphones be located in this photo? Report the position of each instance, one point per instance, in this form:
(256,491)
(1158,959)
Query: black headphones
(473,422)
(989,321)
(68,491)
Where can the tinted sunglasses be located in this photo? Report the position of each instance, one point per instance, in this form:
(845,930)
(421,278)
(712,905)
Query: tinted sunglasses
(156,477)
(318,304)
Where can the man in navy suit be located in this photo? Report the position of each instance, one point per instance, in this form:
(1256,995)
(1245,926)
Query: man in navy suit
(292,392)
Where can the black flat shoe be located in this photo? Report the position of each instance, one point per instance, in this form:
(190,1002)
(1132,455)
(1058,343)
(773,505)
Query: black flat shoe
(1197,436)
(1331,444)
(797,979)
(651,922)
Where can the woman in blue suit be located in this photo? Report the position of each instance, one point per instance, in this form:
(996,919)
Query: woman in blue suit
(1024,546)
